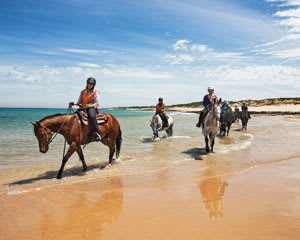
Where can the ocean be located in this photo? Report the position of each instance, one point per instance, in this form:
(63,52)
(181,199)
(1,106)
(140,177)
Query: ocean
(23,167)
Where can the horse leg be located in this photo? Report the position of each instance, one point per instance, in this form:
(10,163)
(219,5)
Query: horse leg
(170,131)
(81,156)
(111,145)
(207,147)
(70,151)
(228,129)
(212,143)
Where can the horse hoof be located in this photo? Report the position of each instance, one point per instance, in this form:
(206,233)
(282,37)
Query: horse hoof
(84,169)
(108,165)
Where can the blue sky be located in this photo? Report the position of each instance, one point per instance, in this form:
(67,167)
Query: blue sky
(141,50)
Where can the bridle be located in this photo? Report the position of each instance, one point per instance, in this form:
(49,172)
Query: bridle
(53,135)
(213,110)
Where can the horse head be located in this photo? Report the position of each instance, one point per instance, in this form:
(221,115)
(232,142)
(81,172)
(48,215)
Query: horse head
(216,108)
(43,136)
(154,124)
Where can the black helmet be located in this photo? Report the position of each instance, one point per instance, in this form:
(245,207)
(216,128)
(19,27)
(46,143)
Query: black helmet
(91,80)
(160,99)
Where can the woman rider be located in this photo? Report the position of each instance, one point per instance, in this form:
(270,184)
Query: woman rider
(89,100)
(161,111)
(207,101)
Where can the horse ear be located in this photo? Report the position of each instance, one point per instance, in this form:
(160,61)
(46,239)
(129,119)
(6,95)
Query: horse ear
(33,124)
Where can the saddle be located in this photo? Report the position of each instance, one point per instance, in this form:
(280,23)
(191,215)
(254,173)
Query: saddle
(102,118)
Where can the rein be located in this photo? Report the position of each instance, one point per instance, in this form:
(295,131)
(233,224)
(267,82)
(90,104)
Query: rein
(70,109)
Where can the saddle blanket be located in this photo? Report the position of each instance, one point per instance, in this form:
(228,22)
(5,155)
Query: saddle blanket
(101,117)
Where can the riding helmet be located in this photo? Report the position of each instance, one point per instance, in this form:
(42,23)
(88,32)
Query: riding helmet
(211,88)
(91,80)
(160,99)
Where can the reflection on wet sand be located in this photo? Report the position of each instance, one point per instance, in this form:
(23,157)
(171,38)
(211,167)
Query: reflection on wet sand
(85,215)
(68,212)
(212,189)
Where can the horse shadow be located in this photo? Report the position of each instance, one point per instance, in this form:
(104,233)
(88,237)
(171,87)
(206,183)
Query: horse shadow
(196,153)
(74,171)
(237,129)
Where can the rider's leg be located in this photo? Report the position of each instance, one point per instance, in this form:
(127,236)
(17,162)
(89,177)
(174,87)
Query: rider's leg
(92,119)
(201,117)
(165,120)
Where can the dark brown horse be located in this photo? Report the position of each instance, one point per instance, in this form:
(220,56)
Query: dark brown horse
(76,134)
(244,119)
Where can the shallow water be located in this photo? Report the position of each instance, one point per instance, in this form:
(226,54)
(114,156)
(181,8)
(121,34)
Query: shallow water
(23,168)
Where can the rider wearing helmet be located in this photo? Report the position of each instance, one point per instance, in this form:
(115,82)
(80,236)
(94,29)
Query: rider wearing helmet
(207,101)
(89,100)
(245,108)
(226,107)
(161,111)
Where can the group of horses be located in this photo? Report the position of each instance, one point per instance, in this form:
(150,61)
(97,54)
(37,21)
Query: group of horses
(210,124)
(77,132)
(229,117)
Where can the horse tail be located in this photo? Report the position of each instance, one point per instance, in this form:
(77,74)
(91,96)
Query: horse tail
(118,143)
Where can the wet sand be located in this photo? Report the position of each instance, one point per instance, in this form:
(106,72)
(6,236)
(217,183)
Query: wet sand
(248,193)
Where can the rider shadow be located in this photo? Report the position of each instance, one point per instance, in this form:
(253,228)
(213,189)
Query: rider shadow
(74,171)
(196,153)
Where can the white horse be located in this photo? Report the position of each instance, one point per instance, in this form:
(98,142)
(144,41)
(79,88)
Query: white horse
(210,125)
(157,125)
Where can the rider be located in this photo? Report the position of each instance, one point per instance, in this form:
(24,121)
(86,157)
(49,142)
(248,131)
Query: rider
(226,107)
(236,109)
(89,100)
(207,101)
(245,108)
(161,111)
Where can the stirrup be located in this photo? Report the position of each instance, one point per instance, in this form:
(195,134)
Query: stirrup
(98,137)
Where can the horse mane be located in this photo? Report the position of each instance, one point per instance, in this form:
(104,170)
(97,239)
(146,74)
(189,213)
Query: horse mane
(52,116)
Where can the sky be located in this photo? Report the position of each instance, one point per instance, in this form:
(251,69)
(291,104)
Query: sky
(140,50)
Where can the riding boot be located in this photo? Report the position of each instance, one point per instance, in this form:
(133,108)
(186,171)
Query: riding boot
(165,121)
(94,123)
(201,117)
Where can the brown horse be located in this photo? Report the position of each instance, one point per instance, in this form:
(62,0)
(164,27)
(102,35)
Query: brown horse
(76,134)
(244,118)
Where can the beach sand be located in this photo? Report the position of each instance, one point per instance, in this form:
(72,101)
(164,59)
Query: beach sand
(284,108)
(248,193)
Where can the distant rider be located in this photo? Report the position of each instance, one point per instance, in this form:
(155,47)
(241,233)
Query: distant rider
(236,109)
(245,108)
(207,101)
(161,111)
(89,100)
(225,107)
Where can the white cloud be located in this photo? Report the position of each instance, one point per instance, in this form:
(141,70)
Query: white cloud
(199,47)
(290,53)
(180,45)
(179,59)
(285,47)
(89,65)
(83,51)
